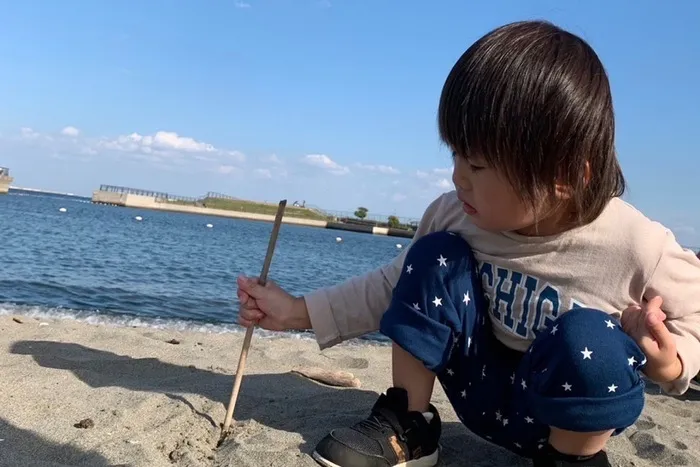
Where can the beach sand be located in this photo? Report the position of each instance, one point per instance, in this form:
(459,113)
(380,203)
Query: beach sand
(153,403)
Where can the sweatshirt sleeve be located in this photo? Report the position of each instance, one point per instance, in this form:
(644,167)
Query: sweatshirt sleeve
(676,280)
(355,307)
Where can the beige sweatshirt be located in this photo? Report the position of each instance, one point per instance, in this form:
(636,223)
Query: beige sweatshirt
(620,259)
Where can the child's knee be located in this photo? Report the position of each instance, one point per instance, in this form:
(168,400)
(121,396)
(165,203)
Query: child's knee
(584,369)
(426,250)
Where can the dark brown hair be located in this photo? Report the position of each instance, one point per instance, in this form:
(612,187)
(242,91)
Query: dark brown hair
(534,101)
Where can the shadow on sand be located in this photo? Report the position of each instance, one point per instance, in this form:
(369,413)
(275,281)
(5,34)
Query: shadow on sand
(22,447)
(292,403)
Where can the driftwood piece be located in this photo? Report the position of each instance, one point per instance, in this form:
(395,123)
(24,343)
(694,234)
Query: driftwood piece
(341,379)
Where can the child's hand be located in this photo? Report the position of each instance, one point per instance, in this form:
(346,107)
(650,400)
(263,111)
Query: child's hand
(646,326)
(269,306)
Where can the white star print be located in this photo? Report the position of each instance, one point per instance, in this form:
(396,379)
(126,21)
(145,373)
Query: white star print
(499,417)
(529,420)
(566,386)
(512,379)
(442,260)
(437,301)
(610,324)
(523,384)
(587,354)
(644,362)
(450,372)
(631,361)
(555,329)
(612,388)
(540,446)
(416,306)
(517,445)
(464,394)
(505,421)
(469,342)
(483,372)
(409,269)
(466,298)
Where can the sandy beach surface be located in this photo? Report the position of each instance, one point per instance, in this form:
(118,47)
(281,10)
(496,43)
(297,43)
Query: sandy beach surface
(151,398)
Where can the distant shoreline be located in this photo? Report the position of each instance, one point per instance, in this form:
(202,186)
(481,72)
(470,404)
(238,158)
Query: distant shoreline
(143,201)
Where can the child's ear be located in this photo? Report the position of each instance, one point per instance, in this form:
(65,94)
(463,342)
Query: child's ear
(587,173)
(564,192)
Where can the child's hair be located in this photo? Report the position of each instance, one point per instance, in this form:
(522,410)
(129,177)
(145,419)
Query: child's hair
(534,102)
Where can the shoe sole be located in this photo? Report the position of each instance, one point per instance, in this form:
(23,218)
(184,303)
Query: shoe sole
(430,460)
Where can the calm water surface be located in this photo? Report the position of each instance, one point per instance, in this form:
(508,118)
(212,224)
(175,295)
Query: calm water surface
(98,263)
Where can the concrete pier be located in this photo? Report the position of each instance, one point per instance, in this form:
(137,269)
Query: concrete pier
(5,180)
(151,202)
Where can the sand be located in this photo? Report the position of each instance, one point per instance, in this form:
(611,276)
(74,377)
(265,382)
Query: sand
(154,403)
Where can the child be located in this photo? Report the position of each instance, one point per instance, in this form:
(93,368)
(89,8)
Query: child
(532,292)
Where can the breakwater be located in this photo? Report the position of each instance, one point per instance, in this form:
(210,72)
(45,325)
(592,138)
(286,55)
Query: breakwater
(5,180)
(153,201)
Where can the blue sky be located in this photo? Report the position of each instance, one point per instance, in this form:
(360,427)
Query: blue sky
(331,101)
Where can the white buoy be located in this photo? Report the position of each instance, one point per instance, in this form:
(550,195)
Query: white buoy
(138,218)
(399,246)
(210,226)
(63,210)
(338,239)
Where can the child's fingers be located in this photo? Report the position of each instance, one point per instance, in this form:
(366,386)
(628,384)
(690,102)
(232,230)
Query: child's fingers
(242,297)
(655,303)
(250,314)
(629,317)
(245,323)
(657,327)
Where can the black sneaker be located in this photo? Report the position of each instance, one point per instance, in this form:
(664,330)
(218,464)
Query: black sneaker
(390,437)
(552,458)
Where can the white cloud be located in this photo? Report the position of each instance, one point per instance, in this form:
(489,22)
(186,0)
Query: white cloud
(28,133)
(274,159)
(326,163)
(236,156)
(263,173)
(226,169)
(162,149)
(384,169)
(242,5)
(70,131)
(161,140)
(443,184)
(421,174)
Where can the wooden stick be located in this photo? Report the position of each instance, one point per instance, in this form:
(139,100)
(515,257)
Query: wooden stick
(249,332)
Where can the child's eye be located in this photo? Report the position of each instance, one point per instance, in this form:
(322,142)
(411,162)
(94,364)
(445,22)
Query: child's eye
(475,168)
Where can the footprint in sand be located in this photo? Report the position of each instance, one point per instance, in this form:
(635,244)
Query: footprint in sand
(649,449)
(645,424)
(668,406)
(680,445)
(352,363)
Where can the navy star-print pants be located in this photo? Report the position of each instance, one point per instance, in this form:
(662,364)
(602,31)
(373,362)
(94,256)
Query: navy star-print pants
(580,374)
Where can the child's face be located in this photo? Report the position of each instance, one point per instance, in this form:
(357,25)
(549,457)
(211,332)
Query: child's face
(489,199)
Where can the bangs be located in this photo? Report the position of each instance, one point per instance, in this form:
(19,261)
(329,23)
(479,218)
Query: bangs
(470,115)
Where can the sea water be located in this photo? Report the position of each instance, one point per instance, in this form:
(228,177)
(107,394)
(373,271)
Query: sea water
(66,257)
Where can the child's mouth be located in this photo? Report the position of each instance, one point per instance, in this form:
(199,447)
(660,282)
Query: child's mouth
(468,208)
